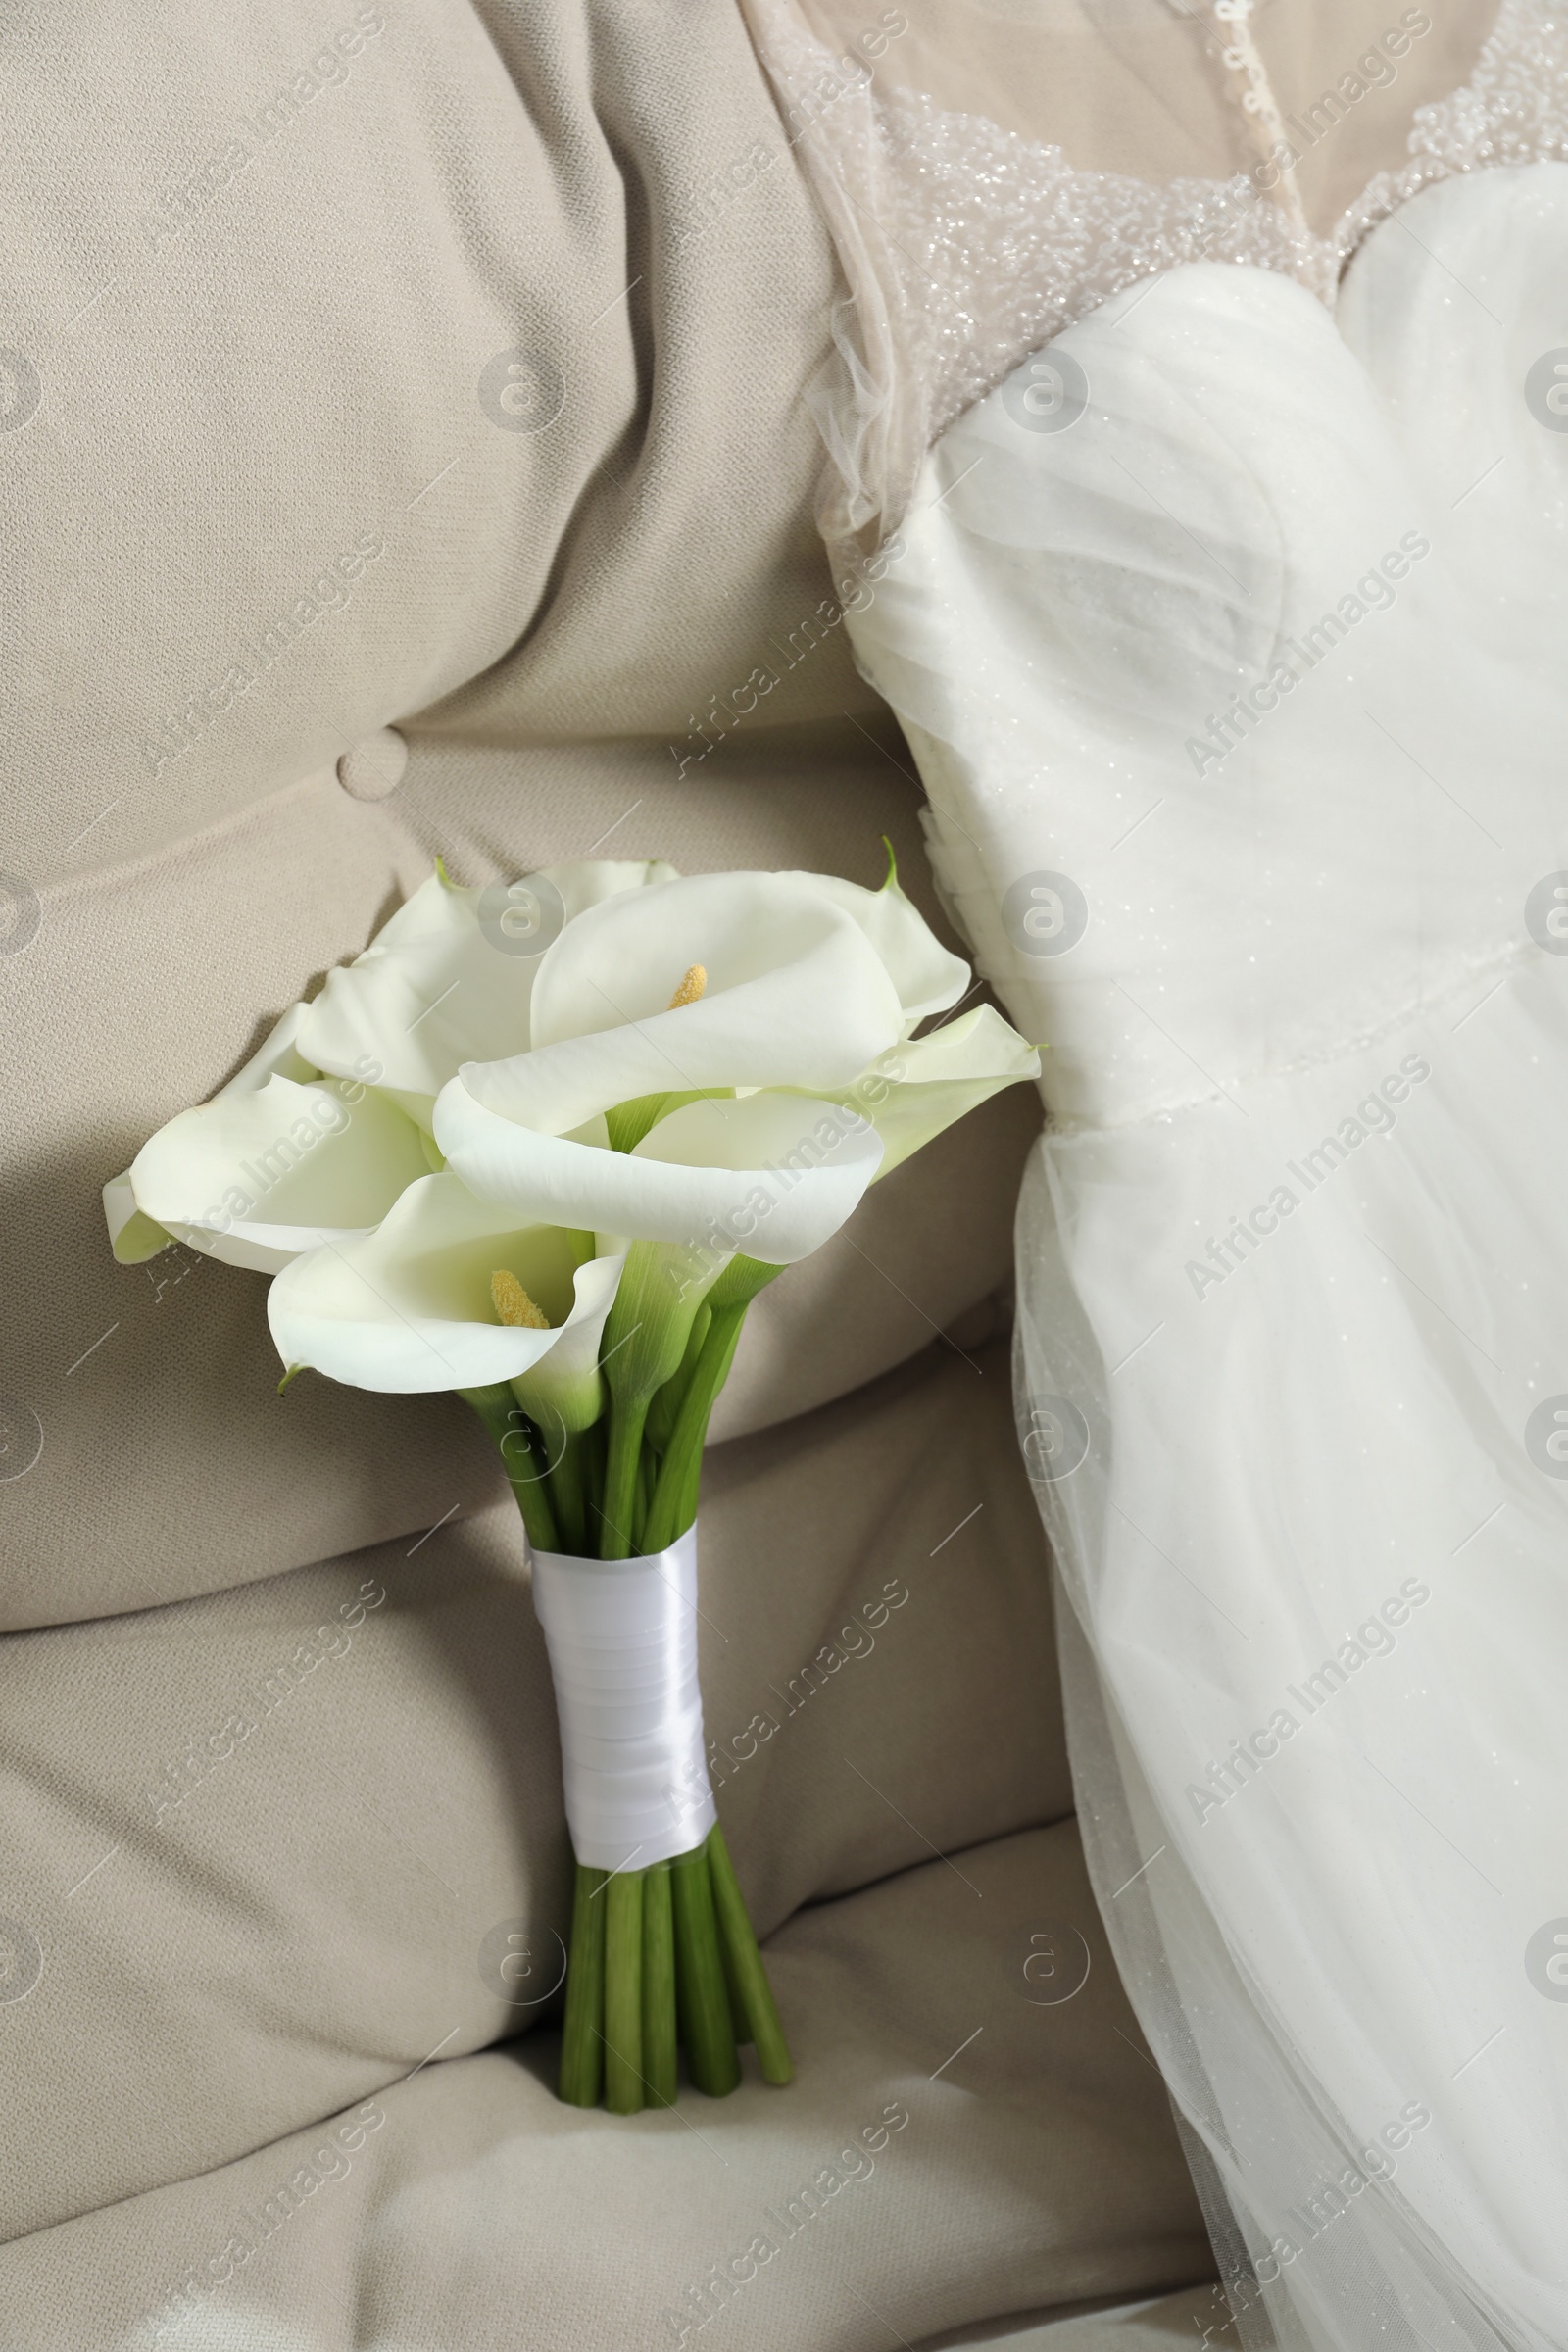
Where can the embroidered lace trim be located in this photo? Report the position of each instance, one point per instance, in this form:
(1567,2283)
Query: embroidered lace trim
(968,246)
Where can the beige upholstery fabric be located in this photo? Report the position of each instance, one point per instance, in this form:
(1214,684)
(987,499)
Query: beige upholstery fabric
(255,319)
(478,2211)
(277,1753)
(1159,2324)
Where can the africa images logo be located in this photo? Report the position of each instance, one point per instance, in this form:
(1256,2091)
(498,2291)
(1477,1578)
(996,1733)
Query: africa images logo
(1546,1437)
(522,390)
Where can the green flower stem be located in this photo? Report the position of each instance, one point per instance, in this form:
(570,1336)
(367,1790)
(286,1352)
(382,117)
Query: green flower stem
(732,1982)
(741,1281)
(583,2039)
(659,1987)
(647,1472)
(521,1457)
(686,1515)
(619,1498)
(569,1494)
(668,1515)
(588,1449)
(660,1289)
(623,1992)
(666,1404)
(664,1956)
(745,1962)
(706,2025)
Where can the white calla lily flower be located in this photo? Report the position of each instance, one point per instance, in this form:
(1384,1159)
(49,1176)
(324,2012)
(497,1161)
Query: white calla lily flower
(928,977)
(256,1177)
(413,1307)
(772,1174)
(450,976)
(929,1083)
(803,983)
(789,1002)
(133,1235)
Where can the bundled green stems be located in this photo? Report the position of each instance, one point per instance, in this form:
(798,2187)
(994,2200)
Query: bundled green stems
(662,1957)
(659,1957)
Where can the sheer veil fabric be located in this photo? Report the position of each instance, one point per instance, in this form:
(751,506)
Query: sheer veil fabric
(1227,646)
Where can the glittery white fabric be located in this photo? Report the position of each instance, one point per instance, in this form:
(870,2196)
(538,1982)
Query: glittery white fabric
(1231,654)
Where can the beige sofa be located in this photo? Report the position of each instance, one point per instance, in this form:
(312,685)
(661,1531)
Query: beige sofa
(279,1770)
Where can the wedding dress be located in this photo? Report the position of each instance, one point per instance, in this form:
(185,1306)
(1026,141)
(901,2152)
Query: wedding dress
(1226,630)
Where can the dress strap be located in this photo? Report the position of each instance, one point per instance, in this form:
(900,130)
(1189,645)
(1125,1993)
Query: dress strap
(1232,20)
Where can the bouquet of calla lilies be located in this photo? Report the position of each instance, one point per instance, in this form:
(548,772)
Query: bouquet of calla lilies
(541,1144)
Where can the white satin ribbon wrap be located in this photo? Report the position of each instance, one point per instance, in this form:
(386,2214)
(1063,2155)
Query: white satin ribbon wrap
(622,1643)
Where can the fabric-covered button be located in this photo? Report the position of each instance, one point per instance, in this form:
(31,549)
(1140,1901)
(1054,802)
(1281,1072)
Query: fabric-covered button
(373,767)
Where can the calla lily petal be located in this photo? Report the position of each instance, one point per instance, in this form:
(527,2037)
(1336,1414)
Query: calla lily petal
(927,977)
(773,1174)
(449,979)
(407,1309)
(794,995)
(134,1235)
(278,1055)
(931,1082)
(254,1178)
(564,1390)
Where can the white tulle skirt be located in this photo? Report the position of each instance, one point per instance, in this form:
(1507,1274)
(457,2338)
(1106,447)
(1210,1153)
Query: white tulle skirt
(1292,1386)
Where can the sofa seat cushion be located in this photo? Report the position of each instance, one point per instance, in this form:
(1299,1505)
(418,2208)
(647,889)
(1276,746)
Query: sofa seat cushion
(258,1839)
(950,2152)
